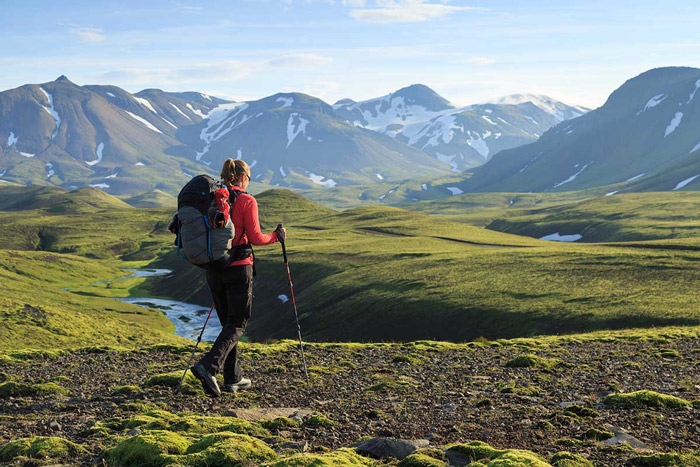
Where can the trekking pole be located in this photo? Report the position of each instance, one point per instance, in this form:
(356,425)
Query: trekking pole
(199,339)
(294,303)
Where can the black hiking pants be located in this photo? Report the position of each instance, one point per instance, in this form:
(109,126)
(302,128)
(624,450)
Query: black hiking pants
(232,290)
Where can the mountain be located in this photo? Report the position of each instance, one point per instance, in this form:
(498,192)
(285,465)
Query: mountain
(463,137)
(62,134)
(294,139)
(644,138)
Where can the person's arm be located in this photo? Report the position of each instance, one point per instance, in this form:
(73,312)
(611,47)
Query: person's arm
(252,225)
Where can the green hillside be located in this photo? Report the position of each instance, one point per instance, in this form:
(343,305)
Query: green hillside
(383,273)
(618,218)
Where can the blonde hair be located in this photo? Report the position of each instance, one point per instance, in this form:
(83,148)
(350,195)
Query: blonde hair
(233,169)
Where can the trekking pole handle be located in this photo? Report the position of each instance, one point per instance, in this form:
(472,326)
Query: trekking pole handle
(281,239)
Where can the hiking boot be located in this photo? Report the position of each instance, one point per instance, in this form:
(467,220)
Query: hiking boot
(244,383)
(208,380)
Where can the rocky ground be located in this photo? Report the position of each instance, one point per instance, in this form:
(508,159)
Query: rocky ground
(553,398)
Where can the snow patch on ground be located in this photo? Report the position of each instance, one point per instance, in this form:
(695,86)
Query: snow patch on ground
(255,161)
(52,112)
(140,164)
(98,153)
(295,125)
(114,175)
(489,120)
(27,154)
(319,179)
(379,176)
(169,123)
(454,190)
(674,123)
(196,111)
(180,111)
(148,124)
(612,193)
(697,146)
(186,174)
(692,94)
(2,174)
(573,177)
(49,170)
(145,103)
(685,182)
(636,177)
(424,187)
(282,172)
(653,102)
(286,101)
(111,95)
(283,298)
(543,102)
(555,237)
(12,139)
(101,186)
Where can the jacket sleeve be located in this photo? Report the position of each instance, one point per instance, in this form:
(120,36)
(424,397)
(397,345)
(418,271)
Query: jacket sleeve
(252,225)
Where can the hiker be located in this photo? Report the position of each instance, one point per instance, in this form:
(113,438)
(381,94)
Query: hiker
(232,286)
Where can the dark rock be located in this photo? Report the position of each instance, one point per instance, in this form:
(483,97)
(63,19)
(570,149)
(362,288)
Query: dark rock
(55,426)
(380,448)
(134,432)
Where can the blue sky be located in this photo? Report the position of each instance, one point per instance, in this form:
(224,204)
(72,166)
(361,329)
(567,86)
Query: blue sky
(468,51)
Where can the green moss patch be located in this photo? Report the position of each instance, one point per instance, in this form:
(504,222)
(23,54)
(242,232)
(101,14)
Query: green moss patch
(567,459)
(15,389)
(533,361)
(232,450)
(339,458)
(279,423)
(41,447)
(477,451)
(190,385)
(597,435)
(126,390)
(645,399)
(152,449)
(425,458)
(318,420)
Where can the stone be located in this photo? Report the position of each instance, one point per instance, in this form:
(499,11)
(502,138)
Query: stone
(55,426)
(301,446)
(621,436)
(134,432)
(380,448)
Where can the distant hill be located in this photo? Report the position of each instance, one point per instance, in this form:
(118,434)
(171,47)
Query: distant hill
(152,199)
(644,138)
(20,198)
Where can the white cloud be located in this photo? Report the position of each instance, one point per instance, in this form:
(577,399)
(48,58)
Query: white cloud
(478,61)
(405,11)
(88,35)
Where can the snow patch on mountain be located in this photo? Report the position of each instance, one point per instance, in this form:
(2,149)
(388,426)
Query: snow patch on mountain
(692,94)
(449,160)
(545,103)
(12,139)
(196,111)
(612,193)
(27,154)
(295,125)
(102,186)
(180,111)
(573,177)
(168,122)
(139,164)
(635,177)
(98,153)
(49,170)
(51,111)
(319,179)
(653,102)
(216,124)
(145,103)
(674,123)
(286,101)
(148,124)
(555,237)
(455,190)
(424,187)
(379,176)
(697,146)
(685,182)
(479,145)
(282,172)
(114,175)
(489,120)
(111,95)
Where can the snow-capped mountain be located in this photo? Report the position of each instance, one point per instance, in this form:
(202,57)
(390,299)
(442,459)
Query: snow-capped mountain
(645,137)
(462,137)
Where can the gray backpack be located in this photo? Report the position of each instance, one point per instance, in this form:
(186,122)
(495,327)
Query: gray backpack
(204,233)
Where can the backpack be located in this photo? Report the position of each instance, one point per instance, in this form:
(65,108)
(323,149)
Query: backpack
(203,223)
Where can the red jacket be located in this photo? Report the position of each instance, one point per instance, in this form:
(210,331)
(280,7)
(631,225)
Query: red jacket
(245,220)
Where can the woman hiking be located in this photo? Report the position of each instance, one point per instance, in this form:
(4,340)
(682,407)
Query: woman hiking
(232,287)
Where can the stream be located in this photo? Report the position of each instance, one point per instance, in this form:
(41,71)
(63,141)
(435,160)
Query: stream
(188,318)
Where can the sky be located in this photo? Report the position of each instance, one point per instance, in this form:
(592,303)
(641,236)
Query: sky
(467,51)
